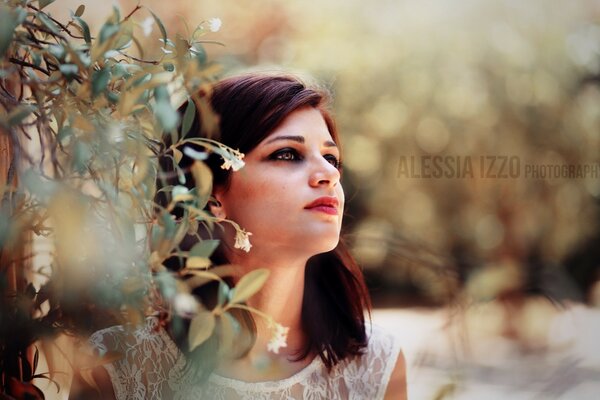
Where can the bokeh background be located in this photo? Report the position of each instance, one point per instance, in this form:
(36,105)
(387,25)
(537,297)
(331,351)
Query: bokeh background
(490,281)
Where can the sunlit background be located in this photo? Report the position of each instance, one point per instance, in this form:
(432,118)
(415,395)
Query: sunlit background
(490,279)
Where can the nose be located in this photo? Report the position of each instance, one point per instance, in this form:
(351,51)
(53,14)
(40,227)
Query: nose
(324,174)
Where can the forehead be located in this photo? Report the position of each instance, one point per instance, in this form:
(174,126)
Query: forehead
(307,122)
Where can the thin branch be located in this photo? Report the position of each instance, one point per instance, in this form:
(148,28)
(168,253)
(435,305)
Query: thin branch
(137,8)
(63,27)
(27,64)
(138,59)
(45,30)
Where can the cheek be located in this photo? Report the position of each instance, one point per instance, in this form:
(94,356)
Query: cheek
(256,198)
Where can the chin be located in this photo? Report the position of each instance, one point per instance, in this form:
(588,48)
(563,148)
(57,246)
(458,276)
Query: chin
(326,244)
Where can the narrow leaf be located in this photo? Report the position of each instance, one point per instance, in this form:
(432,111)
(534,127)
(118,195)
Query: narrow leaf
(80,10)
(188,118)
(223,293)
(229,330)
(68,69)
(197,262)
(166,116)
(47,22)
(201,328)
(85,29)
(204,248)
(107,31)
(100,80)
(44,3)
(163,31)
(7,28)
(250,284)
(17,115)
(203,180)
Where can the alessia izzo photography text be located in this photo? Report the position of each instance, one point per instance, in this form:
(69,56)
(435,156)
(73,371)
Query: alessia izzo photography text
(491,166)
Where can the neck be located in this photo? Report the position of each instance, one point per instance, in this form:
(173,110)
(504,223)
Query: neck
(280,298)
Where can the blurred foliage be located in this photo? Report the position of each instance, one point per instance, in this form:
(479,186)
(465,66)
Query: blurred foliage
(83,243)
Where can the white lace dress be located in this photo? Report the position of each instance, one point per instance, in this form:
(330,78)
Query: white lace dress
(152,367)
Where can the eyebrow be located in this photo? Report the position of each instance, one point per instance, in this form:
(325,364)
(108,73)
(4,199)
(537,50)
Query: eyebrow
(299,139)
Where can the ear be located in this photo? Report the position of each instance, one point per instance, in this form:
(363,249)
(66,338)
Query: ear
(216,206)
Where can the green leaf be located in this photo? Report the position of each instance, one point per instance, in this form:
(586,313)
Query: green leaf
(166,284)
(116,13)
(188,118)
(203,180)
(64,133)
(112,97)
(36,58)
(200,54)
(204,248)
(161,94)
(100,80)
(223,293)
(68,70)
(229,332)
(48,22)
(57,51)
(125,36)
(166,116)
(107,31)
(85,29)
(169,224)
(163,31)
(7,28)
(196,155)
(198,263)
(81,157)
(201,328)
(44,3)
(181,193)
(80,10)
(17,115)
(250,284)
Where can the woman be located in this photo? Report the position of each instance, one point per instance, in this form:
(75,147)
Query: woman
(289,197)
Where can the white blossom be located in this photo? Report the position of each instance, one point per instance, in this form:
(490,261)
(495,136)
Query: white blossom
(234,161)
(214,24)
(185,304)
(242,240)
(279,338)
(147,26)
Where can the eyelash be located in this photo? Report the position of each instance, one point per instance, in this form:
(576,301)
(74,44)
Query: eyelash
(333,160)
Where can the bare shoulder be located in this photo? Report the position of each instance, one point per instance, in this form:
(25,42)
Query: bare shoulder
(396,388)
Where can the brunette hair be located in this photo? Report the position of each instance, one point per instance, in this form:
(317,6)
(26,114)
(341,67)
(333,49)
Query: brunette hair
(250,107)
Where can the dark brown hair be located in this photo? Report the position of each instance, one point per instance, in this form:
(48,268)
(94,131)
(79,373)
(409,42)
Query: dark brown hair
(250,107)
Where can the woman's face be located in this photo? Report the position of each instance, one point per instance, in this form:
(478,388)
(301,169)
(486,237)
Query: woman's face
(288,195)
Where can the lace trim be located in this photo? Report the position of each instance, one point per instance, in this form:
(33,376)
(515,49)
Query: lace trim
(153,368)
(268,386)
(389,368)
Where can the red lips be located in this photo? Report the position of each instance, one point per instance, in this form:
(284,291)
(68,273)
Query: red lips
(326,204)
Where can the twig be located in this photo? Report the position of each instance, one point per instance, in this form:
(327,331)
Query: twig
(138,59)
(63,27)
(27,64)
(137,7)
(46,30)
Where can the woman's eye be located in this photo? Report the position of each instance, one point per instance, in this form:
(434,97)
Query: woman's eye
(286,155)
(333,160)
